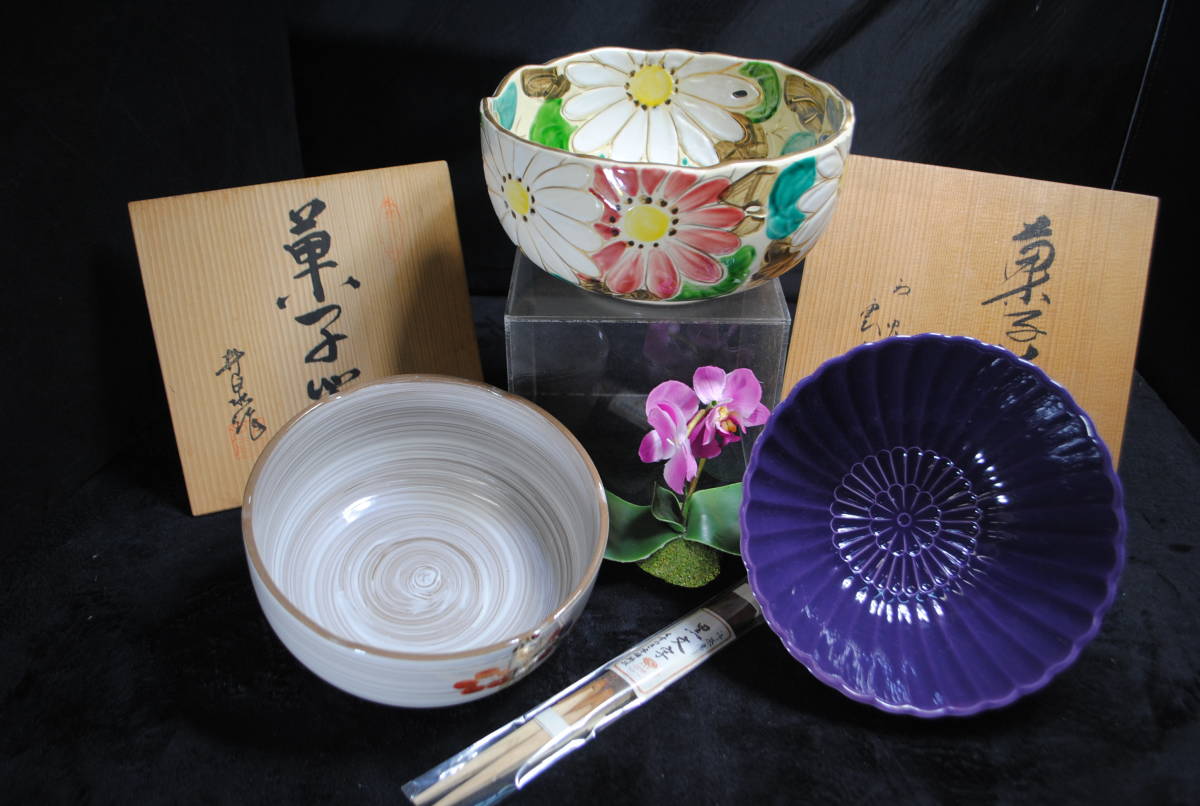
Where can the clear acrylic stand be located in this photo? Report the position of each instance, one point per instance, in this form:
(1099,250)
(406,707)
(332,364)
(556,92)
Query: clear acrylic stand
(591,360)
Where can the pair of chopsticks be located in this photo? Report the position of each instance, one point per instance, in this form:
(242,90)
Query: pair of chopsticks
(502,761)
(512,756)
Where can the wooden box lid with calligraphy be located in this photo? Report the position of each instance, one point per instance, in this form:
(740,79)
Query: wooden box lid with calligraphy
(1056,273)
(264,299)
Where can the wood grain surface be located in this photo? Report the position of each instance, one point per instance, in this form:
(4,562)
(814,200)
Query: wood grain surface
(266,298)
(1056,273)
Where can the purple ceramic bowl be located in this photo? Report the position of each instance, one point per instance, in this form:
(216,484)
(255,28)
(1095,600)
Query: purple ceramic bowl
(932,525)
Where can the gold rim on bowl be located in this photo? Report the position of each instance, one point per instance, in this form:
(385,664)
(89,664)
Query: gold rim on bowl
(844,131)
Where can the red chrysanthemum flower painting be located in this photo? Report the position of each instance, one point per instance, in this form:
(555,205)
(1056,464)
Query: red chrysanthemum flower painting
(664,227)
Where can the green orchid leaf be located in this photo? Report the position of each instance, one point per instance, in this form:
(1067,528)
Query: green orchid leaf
(633,532)
(712,518)
(665,506)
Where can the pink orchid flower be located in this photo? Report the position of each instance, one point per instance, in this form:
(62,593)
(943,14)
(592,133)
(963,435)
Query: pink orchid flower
(669,410)
(734,402)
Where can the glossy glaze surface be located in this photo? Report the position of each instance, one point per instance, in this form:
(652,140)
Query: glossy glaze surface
(664,176)
(423,523)
(932,525)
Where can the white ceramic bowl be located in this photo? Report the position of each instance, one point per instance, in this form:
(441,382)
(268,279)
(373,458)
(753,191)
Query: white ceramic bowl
(664,176)
(423,540)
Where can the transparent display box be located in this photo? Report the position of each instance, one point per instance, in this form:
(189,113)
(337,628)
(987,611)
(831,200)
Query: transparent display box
(590,361)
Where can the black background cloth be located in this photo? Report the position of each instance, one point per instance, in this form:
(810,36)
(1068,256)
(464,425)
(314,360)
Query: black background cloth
(135,665)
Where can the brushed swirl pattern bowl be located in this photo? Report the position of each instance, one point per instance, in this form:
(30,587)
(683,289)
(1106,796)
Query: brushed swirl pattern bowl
(423,541)
(664,176)
(932,525)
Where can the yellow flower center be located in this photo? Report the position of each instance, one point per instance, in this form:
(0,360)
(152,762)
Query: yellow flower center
(651,85)
(725,421)
(646,223)
(517,196)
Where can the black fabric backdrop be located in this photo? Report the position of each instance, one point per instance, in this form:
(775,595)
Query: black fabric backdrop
(134,663)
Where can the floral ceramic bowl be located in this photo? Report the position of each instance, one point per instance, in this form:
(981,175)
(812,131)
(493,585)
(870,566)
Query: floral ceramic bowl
(664,176)
(423,541)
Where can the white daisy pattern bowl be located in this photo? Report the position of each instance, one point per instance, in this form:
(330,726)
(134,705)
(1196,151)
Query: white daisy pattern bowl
(664,176)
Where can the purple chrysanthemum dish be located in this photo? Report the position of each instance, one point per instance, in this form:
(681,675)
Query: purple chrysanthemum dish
(932,525)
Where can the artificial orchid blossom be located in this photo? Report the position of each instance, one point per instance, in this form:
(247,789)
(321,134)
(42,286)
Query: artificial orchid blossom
(696,422)
(733,402)
(670,409)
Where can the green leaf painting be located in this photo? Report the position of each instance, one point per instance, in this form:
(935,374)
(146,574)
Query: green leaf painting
(549,127)
(505,106)
(799,142)
(737,266)
(768,82)
(783,216)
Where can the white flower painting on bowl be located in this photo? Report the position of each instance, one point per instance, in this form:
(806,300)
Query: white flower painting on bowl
(656,107)
(544,205)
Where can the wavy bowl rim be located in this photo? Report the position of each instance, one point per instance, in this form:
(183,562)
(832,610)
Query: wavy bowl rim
(514,642)
(1052,670)
(845,132)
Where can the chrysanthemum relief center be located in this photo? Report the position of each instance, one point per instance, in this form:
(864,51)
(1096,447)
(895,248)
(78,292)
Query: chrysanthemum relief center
(650,86)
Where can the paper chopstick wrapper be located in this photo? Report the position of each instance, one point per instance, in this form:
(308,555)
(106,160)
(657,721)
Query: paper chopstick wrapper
(509,758)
